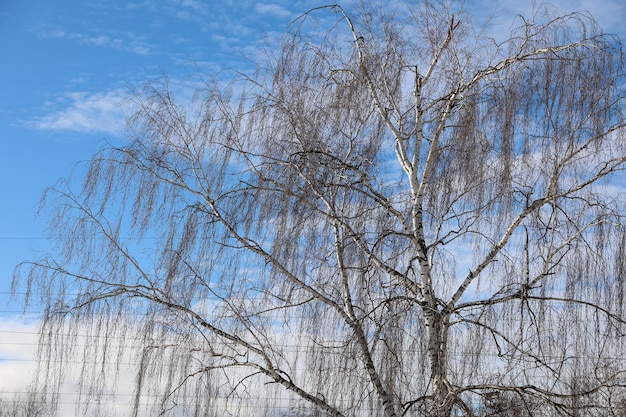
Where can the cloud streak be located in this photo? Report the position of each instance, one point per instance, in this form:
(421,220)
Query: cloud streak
(86,112)
(132,44)
(271,9)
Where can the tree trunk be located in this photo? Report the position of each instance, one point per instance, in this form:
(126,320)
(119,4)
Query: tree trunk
(437,325)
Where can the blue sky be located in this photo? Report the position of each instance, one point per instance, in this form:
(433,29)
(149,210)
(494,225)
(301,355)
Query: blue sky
(66,67)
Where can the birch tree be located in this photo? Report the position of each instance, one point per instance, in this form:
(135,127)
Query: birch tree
(397,215)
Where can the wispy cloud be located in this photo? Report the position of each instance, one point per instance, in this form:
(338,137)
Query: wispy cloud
(271,9)
(85,112)
(195,6)
(127,43)
(193,10)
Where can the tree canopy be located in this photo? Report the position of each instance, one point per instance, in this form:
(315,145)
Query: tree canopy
(397,215)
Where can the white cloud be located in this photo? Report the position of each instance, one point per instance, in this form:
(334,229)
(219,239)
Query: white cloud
(17,354)
(195,6)
(272,9)
(129,42)
(85,112)
(18,360)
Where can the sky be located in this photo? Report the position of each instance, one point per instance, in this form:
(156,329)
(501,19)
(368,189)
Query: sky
(65,69)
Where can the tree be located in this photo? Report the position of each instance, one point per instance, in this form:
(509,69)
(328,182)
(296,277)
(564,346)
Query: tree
(21,406)
(396,216)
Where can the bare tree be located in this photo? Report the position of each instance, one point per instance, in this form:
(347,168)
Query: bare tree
(22,405)
(396,216)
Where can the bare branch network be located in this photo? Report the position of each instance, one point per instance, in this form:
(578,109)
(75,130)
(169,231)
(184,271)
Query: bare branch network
(396,216)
